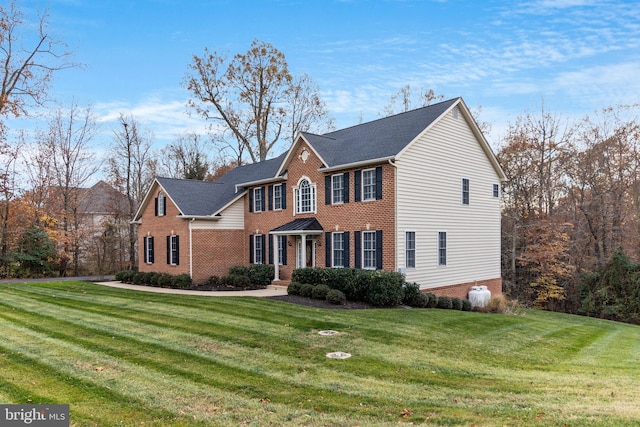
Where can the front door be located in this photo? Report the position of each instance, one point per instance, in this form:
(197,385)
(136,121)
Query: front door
(309,256)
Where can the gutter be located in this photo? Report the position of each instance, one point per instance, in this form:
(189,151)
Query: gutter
(261,181)
(200,217)
(358,164)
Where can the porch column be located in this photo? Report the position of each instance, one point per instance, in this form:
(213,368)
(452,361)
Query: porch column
(276,264)
(303,251)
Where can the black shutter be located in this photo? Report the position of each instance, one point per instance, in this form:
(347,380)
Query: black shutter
(327,249)
(270,193)
(263,237)
(347,254)
(263,203)
(145,245)
(177,250)
(346,187)
(356,183)
(379,183)
(271,250)
(284,196)
(164,205)
(156,205)
(283,245)
(251,200)
(168,249)
(151,250)
(358,253)
(379,250)
(251,249)
(327,190)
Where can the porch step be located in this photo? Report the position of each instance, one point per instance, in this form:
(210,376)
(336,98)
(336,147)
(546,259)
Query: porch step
(279,285)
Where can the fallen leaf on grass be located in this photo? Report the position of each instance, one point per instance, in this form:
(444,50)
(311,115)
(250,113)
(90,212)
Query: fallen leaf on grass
(405,413)
(264,400)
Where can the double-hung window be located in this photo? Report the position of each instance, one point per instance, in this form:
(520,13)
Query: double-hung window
(369,184)
(338,250)
(410,249)
(465,191)
(277,197)
(337,189)
(173,247)
(258,249)
(369,249)
(148,250)
(496,190)
(161,205)
(257,199)
(442,248)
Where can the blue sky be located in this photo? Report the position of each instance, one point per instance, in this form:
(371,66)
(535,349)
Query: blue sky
(505,56)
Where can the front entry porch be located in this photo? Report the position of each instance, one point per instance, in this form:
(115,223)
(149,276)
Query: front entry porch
(304,232)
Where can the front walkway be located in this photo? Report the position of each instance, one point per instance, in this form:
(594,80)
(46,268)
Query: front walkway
(271,291)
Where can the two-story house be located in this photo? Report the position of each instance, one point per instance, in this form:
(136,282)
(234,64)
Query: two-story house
(417,192)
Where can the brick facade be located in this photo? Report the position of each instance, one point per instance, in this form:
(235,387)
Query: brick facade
(462,290)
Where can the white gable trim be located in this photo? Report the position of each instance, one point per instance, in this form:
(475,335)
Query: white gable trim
(292,149)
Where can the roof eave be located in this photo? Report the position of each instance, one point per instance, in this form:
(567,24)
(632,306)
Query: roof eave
(359,164)
(261,182)
(200,217)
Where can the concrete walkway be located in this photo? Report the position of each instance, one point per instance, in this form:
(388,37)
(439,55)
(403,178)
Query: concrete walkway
(271,291)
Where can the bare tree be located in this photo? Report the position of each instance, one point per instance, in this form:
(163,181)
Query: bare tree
(72,164)
(131,167)
(8,186)
(186,158)
(249,96)
(308,112)
(406,98)
(26,69)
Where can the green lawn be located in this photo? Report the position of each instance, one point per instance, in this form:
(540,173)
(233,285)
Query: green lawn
(130,358)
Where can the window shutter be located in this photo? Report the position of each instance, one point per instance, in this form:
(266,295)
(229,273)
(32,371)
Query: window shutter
(356,184)
(270,193)
(156,205)
(145,245)
(251,200)
(284,196)
(164,205)
(177,250)
(168,249)
(346,248)
(346,187)
(251,249)
(327,249)
(271,251)
(263,202)
(379,183)
(283,245)
(327,190)
(358,250)
(151,251)
(264,245)
(379,249)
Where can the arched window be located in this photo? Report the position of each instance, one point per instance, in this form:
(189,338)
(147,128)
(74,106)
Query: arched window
(305,196)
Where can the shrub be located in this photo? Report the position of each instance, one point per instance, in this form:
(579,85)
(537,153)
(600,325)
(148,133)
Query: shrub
(164,280)
(433,300)
(466,305)
(306,290)
(120,275)
(136,279)
(214,281)
(384,288)
(456,303)
(445,302)
(320,292)
(501,305)
(153,279)
(341,279)
(294,288)
(237,281)
(336,297)
(181,281)
(314,276)
(258,274)
(411,295)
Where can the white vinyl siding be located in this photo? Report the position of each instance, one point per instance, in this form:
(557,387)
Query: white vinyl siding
(428,189)
(231,218)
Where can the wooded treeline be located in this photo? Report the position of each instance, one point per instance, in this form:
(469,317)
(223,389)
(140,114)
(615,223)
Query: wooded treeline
(571,201)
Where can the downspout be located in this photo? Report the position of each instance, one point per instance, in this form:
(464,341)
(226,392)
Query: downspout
(191,248)
(395,210)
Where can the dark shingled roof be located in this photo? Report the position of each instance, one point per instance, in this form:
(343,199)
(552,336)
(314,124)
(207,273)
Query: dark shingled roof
(204,198)
(300,224)
(378,139)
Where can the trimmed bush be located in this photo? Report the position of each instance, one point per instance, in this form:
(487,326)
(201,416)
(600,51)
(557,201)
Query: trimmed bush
(258,274)
(466,305)
(384,288)
(433,300)
(341,279)
(294,288)
(237,281)
(313,276)
(445,302)
(136,279)
(411,295)
(214,281)
(306,290)
(320,292)
(164,280)
(181,281)
(336,297)
(456,303)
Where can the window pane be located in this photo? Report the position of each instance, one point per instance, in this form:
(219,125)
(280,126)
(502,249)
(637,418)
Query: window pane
(257,248)
(337,184)
(277,197)
(338,250)
(369,184)
(369,249)
(410,245)
(465,191)
(442,248)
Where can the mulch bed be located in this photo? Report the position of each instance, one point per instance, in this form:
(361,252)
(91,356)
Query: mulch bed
(317,303)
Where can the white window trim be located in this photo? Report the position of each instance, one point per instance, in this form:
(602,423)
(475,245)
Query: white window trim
(282,247)
(446,249)
(333,201)
(257,197)
(280,187)
(161,204)
(495,191)
(462,192)
(333,249)
(257,240)
(415,249)
(364,250)
(147,240)
(362,192)
(298,200)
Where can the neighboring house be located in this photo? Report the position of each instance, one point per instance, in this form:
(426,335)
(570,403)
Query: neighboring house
(417,192)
